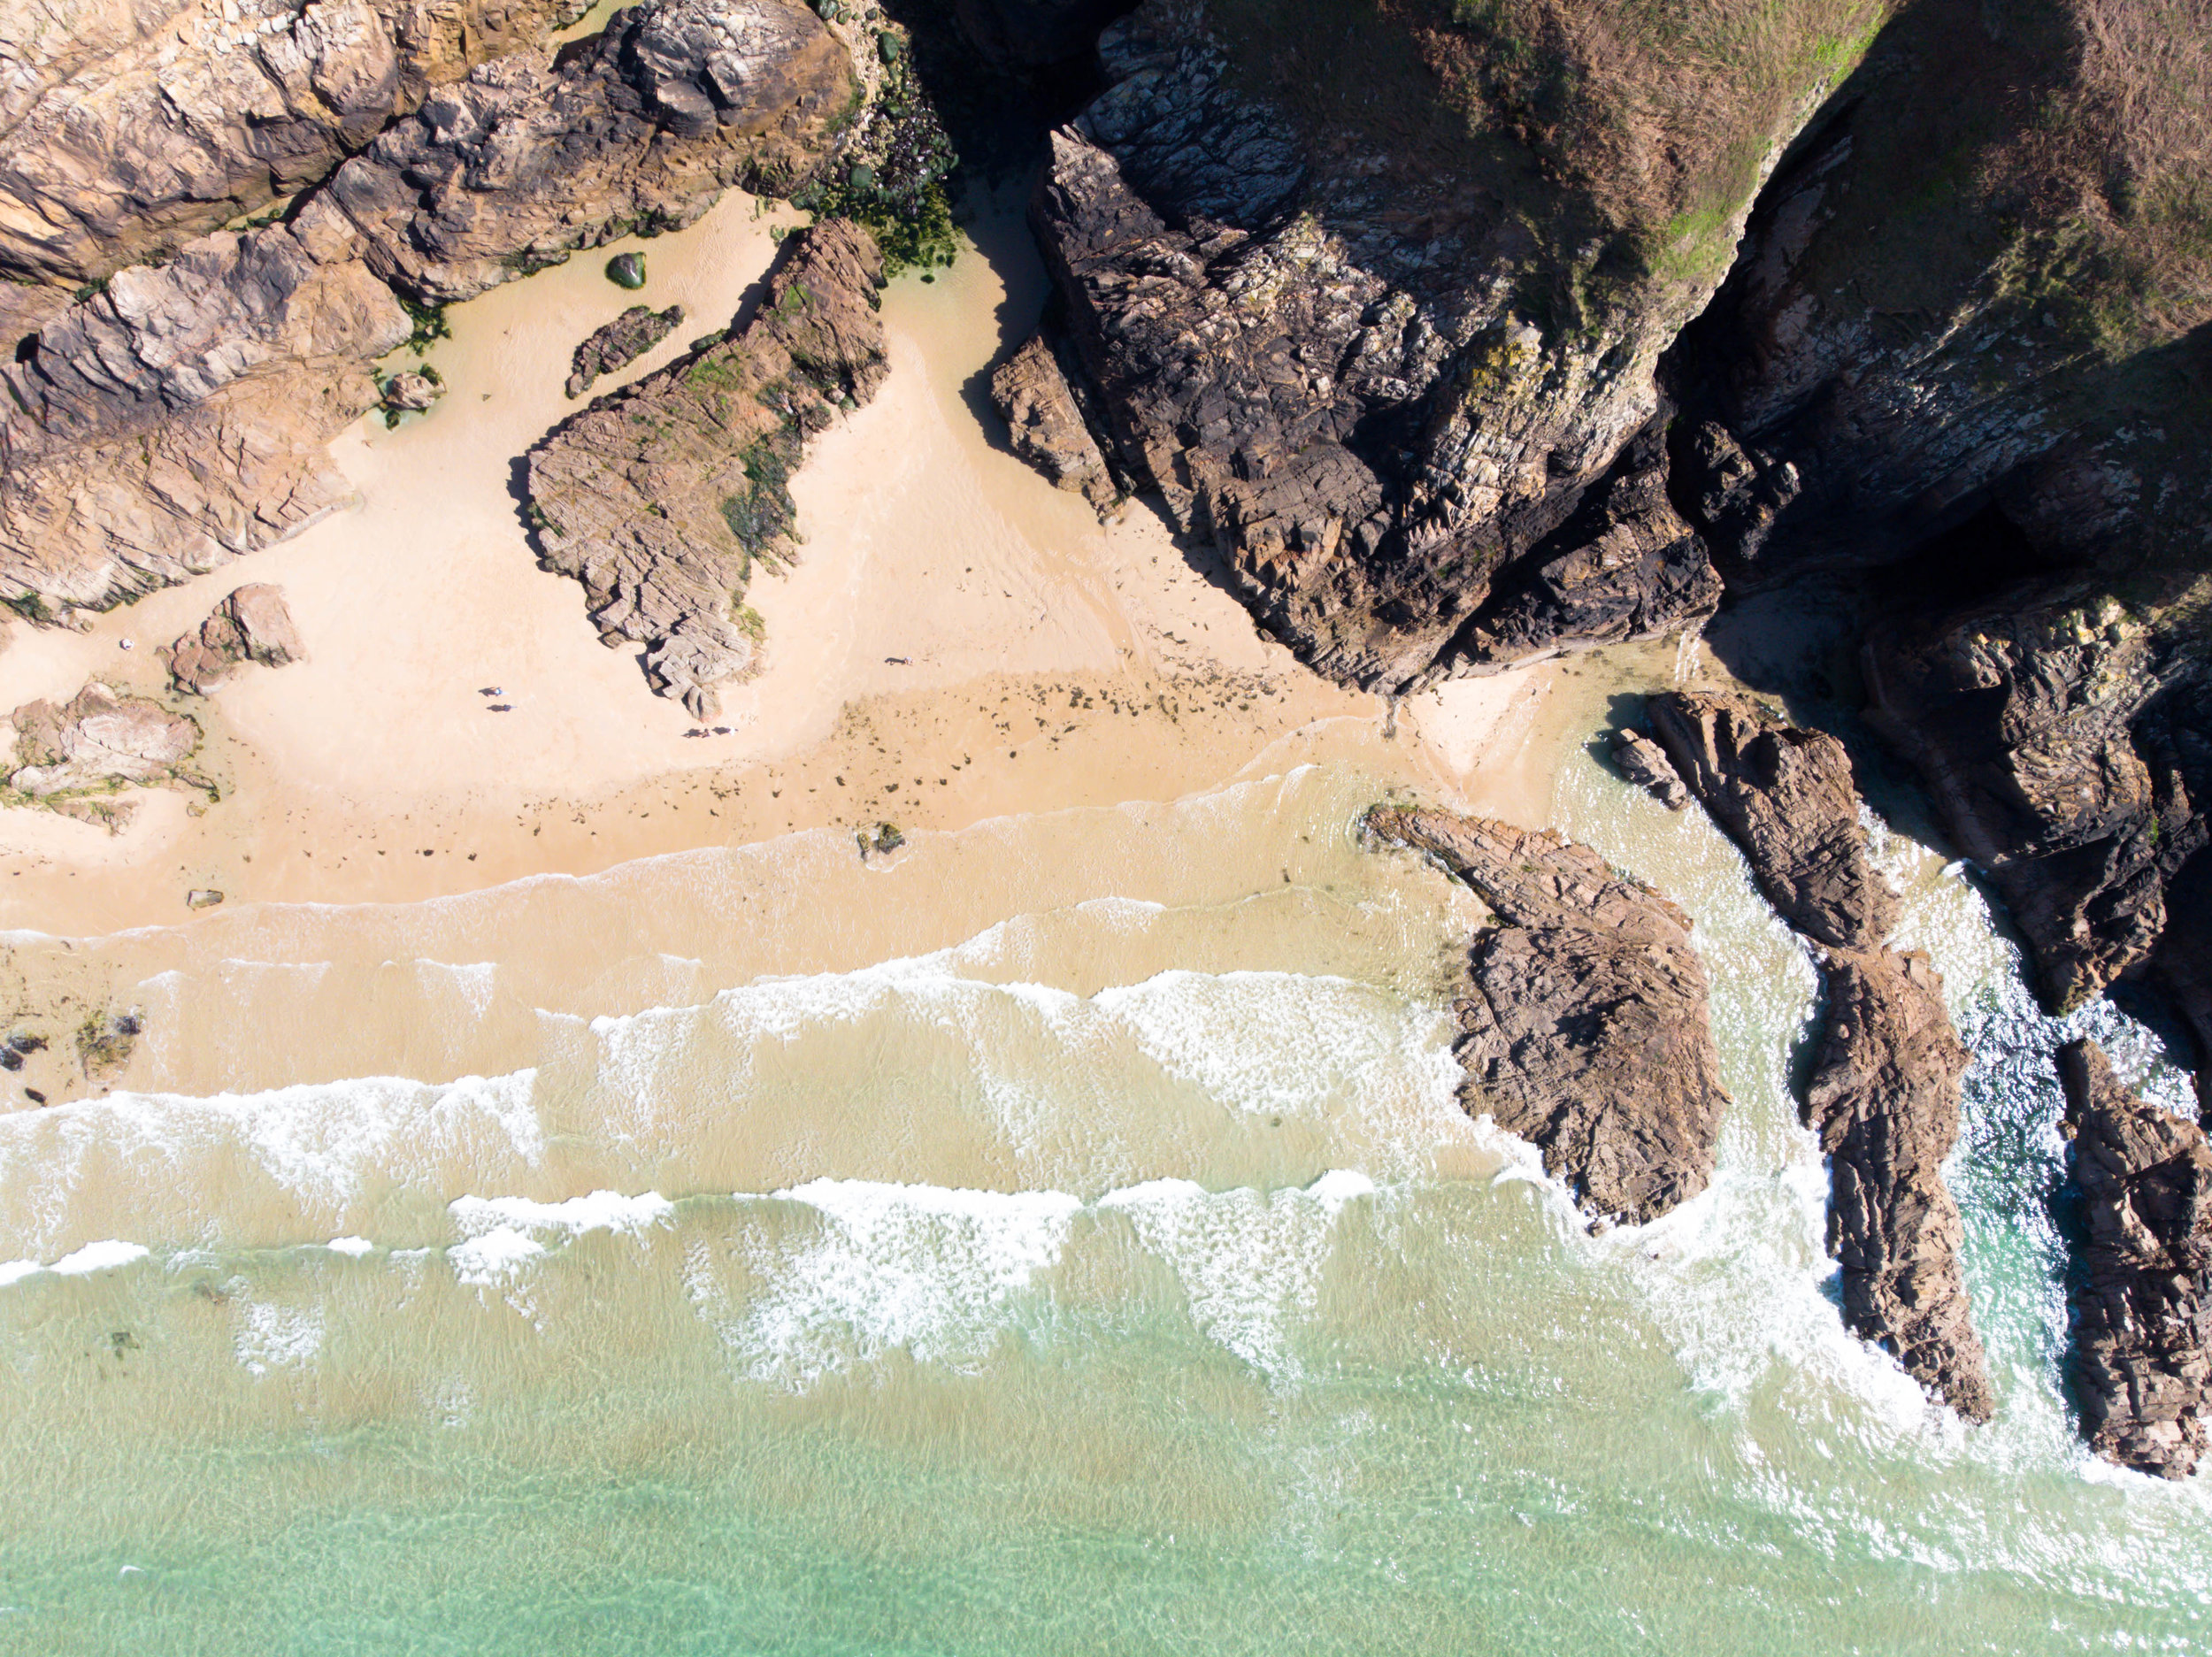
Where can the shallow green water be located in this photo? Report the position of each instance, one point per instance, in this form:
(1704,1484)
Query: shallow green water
(1121,1278)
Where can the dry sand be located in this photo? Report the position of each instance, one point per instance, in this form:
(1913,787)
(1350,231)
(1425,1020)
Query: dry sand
(960,640)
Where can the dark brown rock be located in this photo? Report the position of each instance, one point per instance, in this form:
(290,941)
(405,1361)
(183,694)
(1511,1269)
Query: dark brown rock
(1643,763)
(1032,392)
(129,129)
(2060,731)
(1884,1098)
(607,349)
(252,624)
(1589,1029)
(1787,797)
(659,497)
(2143,1310)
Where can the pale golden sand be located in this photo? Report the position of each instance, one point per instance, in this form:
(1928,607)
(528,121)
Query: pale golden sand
(1048,661)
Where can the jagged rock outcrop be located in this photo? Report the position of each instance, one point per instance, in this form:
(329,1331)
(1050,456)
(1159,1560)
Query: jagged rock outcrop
(609,349)
(1643,763)
(1884,1098)
(412,391)
(659,497)
(1589,1029)
(1375,313)
(2067,737)
(182,417)
(2143,1302)
(127,130)
(1032,393)
(1883,1092)
(1787,797)
(95,740)
(253,624)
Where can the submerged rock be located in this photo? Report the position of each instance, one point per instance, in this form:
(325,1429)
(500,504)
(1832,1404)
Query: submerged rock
(252,624)
(618,344)
(1884,1098)
(1787,797)
(2143,1307)
(96,739)
(659,497)
(1589,1033)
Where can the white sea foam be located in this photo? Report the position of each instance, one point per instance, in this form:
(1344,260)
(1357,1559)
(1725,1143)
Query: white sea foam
(501,1235)
(923,1268)
(1250,1263)
(318,1143)
(356,1246)
(276,1337)
(102,1256)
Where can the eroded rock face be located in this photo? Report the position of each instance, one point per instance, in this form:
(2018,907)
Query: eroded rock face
(1884,1098)
(1787,797)
(659,497)
(1643,763)
(96,738)
(127,130)
(614,347)
(1320,346)
(2063,734)
(181,417)
(1589,1031)
(1032,392)
(253,624)
(2144,1312)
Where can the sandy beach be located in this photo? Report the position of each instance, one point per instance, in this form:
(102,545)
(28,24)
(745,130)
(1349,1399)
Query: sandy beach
(959,641)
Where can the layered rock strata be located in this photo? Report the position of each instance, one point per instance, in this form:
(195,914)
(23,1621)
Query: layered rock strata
(253,624)
(1643,763)
(97,738)
(1883,1092)
(1787,797)
(2143,1302)
(1588,1031)
(610,348)
(129,130)
(660,497)
(182,417)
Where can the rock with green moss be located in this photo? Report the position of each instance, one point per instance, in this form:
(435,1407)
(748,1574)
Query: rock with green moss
(627,269)
(661,498)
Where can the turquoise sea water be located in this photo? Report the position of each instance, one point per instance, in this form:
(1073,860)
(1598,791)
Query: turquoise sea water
(1115,1273)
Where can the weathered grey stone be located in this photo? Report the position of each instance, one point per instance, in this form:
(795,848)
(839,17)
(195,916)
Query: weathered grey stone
(1884,1097)
(1031,391)
(1643,763)
(96,738)
(1787,797)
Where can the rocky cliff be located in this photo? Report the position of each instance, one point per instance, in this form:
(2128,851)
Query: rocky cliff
(2143,1302)
(179,417)
(1588,1032)
(660,498)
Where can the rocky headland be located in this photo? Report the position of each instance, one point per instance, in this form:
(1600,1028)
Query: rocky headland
(1588,1029)
(1475,333)
(2142,1299)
